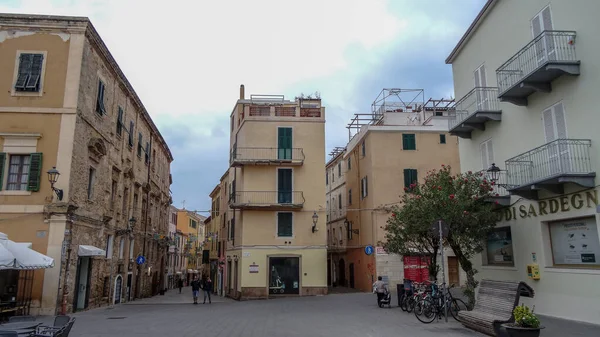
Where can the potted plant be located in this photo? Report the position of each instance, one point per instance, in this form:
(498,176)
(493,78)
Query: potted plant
(526,324)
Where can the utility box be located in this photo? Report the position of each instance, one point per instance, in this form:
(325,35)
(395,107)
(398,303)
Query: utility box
(533,271)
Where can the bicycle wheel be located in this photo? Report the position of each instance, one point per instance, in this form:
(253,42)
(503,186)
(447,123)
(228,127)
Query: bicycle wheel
(410,304)
(402,303)
(456,306)
(428,312)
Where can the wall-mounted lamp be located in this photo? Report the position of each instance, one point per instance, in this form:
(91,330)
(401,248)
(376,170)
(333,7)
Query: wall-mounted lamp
(493,174)
(53,178)
(315,219)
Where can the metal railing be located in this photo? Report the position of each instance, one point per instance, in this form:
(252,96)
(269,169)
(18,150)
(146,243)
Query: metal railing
(310,112)
(562,156)
(260,111)
(549,46)
(500,185)
(249,154)
(477,100)
(266,198)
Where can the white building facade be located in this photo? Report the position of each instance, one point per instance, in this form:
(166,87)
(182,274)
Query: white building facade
(525,76)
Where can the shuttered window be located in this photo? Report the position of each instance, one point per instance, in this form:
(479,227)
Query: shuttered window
(410,177)
(544,47)
(284,143)
(139,148)
(487,154)
(131,134)
(120,121)
(442,139)
(480,77)
(409,142)
(339,169)
(363,148)
(284,224)
(147,154)
(340,202)
(364,188)
(2,163)
(29,73)
(100,109)
(555,123)
(349,163)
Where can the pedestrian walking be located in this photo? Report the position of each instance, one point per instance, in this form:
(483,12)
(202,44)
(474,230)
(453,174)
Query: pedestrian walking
(195,289)
(208,286)
(180,284)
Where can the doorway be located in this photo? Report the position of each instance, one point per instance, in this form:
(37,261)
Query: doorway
(82,281)
(342,273)
(453,271)
(235,279)
(351,272)
(129,281)
(284,275)
(118,289)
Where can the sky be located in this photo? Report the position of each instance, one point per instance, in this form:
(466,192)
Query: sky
(187,58)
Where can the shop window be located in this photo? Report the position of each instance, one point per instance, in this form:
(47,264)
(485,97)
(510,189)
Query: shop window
(499,248)
(284,275)
(575,242)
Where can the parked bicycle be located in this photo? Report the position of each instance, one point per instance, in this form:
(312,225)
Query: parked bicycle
(431,307)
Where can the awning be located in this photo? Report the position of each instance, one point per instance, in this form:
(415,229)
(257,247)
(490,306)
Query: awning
(85,250)
(18,256)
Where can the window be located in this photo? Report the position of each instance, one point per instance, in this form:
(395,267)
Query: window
(410,177)
(232,230)
(575,242)
(147,154)
(555,122)
(499,249)
(284,224)
(284,143)
(326,177)
(193,223)
(30,72)
(135,204)
(349,163)
(100,109)
(153,160)
(364,188)
(91,180)
(541,22)
(139,148)
(18,173)
(130,134)
(350,197)
(339,169)
(442,139)
(121,248)
(109,246)
(487,154)
(363,148)
(439,113)
(120,121)
(340,202)
(131,246)
(349,230)
(284,186)
(480,78)
(409,141)
(332,176)
(113,192)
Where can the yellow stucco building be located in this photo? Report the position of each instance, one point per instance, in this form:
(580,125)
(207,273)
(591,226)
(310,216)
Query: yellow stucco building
(191,226)
(276,240)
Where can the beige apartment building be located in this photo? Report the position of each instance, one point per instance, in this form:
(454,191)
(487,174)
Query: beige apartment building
(190,227)
(218,233)
(277,241)
(393,146)
(529,118)
(65,104)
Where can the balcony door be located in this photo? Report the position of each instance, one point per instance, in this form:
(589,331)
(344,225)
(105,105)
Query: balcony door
(545,47)
(555,128)
(284,143)
(284,186)
(481,95)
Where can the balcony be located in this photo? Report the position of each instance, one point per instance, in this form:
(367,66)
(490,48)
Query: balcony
(267,200)
(549,167)
(547,57)
(241,156)
(472,111)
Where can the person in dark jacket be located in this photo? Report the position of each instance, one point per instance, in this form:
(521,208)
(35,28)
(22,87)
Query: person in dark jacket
(208,286)
(195,289)
(180,285)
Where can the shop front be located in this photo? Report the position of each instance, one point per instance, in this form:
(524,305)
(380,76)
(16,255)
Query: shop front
(553,245)
(284,275)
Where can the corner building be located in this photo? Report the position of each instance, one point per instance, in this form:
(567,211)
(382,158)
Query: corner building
(276,191)
(529,112)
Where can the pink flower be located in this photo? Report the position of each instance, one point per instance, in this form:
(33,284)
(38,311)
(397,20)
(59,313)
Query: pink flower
(451,196)
(465,213)
(440,188)
(406,189)
(497,194)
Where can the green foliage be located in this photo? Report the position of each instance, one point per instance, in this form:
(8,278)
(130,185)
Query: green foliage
(460,200)
(525,318)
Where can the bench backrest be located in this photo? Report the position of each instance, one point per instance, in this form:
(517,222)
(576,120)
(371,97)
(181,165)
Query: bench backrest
(500,297)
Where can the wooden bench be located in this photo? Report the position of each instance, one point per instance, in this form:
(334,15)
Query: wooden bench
(495,303)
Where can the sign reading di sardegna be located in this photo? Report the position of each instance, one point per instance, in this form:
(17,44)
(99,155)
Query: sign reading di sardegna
(564,203)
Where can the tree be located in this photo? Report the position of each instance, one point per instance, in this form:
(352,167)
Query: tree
(461,200)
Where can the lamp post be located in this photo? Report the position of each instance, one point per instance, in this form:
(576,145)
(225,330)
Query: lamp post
(315,219)
(53,175)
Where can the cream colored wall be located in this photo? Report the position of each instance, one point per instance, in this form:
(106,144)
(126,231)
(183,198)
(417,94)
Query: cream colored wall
(313,266)
(509,22)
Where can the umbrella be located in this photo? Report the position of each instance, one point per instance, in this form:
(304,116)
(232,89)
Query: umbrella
(15,255)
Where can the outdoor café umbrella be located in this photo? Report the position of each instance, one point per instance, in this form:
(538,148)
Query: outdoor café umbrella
(14,255)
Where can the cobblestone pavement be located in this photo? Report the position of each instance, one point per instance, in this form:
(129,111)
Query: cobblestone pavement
(333,315)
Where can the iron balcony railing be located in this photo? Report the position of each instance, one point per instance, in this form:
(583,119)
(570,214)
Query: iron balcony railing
(500,185)
(267,198)
(251,154)
(479,99)
(559,157)
(549,46)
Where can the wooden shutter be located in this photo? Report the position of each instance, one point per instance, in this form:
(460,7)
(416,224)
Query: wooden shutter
(35,73)
(147,155)
(560,121)
(366,186)
(25,61)
(406,178)
(490,152)
(100,99)
(480,77)
(546,19)
(120,122)
(284,143)
(284,224)
(2,161)
(484,156)
(35,172)
(548,121)
(131,134)
(413,176)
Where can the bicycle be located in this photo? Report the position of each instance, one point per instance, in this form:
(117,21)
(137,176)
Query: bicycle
(435,306)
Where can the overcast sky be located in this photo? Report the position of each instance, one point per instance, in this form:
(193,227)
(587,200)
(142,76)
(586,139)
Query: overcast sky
(186,60)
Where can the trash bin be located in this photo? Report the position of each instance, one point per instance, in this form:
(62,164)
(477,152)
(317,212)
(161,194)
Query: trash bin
(400,290)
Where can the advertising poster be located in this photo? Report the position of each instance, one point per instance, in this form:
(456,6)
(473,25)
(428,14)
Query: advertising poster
(499,247)
(575,242)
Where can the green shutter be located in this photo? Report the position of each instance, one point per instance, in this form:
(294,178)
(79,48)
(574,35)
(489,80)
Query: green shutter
(35,172)
(284,224)
(409,142)
(407,178)
(284,143)
(413,175)
(2,160)
(442,139)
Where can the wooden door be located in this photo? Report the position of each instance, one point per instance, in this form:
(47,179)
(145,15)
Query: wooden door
(453,271)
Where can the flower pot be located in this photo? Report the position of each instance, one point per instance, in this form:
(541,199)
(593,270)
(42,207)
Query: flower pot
(517,331)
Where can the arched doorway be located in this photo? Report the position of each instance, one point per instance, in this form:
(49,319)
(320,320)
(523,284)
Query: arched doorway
(118,289)
(342,273)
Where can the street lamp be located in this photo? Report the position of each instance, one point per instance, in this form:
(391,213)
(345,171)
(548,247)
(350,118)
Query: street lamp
(53,178)
(129,228)
(315,218)
(494,172)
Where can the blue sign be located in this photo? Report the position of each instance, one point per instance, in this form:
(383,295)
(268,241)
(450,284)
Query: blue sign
(140,259)
(369,250)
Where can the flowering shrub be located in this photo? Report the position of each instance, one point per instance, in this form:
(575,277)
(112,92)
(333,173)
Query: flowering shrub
(525,318)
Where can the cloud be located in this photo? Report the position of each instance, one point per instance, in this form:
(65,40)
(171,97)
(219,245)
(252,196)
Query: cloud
(186,59)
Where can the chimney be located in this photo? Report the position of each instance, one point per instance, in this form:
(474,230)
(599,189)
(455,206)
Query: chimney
(242,93)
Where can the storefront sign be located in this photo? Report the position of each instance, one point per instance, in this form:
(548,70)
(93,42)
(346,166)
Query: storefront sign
(565,203)
(575,242)
(381,251)
(253,268)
